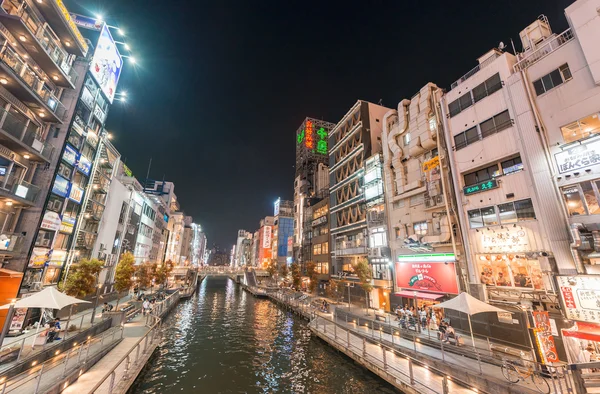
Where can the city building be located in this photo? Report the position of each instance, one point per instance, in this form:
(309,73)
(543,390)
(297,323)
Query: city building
(356,137)
(198,245)
(319,241)
(243,248)
(265,235)
(283,227)
(419,205)
(255,248)
(41,74)
(561,75)
(311,177)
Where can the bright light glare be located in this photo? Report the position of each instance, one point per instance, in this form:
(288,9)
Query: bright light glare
(121,32)
(132,59)
(123,94)
(99,17)
(123,99)
(127,47)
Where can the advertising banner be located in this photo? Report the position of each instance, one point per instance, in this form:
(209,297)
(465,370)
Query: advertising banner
(578,157)
(86,22)
(40,257)
(76,194)
(544,337)
(18,319)
(106,64)
(67,225)
(51,221)
(437,277)
(72,25)
(70,155)
(61,186)
(84,165)
(87,98)
(581,297)
(267,237)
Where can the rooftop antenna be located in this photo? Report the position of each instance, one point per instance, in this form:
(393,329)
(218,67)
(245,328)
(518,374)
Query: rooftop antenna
(148,173)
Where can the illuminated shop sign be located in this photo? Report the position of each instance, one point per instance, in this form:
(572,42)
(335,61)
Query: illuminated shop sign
(67,225)
(84,165)
(76,194)
(431,164)
(581,297)
(98,113)
(72,25)
(267,232)
(86,22)
(70,155)
(61,186)
(578,157)
(322,142)
(321,220)
(309,137)
(106,64)
(480,187)
(276,208)
(437,277)
(506,239)
(51,221)
(40,257)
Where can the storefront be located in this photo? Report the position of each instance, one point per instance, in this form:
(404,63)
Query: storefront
(424,279)
(580,296)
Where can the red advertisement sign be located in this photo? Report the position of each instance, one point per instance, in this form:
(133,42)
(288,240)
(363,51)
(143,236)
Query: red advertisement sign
(567,293)
(544,337)
(434,277)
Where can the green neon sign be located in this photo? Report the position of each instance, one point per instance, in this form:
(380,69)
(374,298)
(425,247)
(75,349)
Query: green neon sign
(300,136)
(322,142)
(480,187)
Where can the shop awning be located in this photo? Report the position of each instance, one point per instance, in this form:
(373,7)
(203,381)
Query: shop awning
(585,331)
(422,296)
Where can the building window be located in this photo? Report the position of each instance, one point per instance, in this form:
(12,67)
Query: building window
(420,228)
(398,232)
(510,212)
(398,204)
(316,249)
(460,104)
(512,165)
(416,200)
(581,128)
(582,198)
(495,124)
(485,174)
(552,80)
(466,138)
(491,85)
(507,213)
(325,248)
(406,139)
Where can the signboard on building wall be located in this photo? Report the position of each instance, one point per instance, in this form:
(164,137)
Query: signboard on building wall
(544,337)
(86,22)
(76,194)
(581,297)
(578,157)
(72,25)
(51,221)
(107,64)
(267,233)
(508,239)
(437,277)
(70,155)
(67,224)
(61,186)
(39,257)
(84,165)
(87,98)
(276,210)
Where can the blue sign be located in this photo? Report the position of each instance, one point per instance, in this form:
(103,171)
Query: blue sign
(166,218)
(86,22)
(70,155)
(84,165)
(61,186)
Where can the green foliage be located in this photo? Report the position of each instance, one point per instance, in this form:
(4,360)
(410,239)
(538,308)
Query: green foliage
(296,275)
(335,289)
(163,271)
(83,277)
(124,272)
(364,273)
(144,274)
(311,272)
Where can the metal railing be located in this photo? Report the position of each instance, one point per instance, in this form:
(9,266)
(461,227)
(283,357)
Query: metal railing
(135,356)
(21,189)
(20,130)
(544,50)
(475,70)
(10,57)
(20,345)
(10,242)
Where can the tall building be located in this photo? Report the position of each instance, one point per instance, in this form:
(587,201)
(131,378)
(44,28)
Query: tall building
(420,207)
(318,223)
(283,228)
(265,235)
(41,74)
(243,248)
(356,137)
(311,178)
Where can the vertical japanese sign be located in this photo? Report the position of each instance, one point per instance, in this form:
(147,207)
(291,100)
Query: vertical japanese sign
(310,143)
(544,337)
(581,297)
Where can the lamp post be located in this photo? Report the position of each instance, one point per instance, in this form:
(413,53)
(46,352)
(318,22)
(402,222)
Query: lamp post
(96,302)
(7,322)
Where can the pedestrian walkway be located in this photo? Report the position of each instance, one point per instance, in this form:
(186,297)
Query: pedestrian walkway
(31,343)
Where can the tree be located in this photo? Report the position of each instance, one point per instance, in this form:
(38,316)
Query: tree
(296,275)
(284,271)
(311,272)
(144,274)
(272,268)
(365,277)
(335,289)
(83,277)
(163,271)
(124,274)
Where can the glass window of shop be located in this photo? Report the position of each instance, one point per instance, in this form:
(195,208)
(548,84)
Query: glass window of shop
(381,271)
(420,228)
(581,128)
(322,268)
(510,212)
(377,237)
(510,271)
(582,198)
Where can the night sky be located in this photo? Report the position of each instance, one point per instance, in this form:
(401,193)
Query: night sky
(221,86)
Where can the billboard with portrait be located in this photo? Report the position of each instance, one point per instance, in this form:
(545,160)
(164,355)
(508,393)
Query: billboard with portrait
(107,64)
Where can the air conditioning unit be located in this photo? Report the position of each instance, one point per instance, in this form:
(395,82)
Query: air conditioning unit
(45,242)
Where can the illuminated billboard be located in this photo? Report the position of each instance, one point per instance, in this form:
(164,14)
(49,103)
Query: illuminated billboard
(107,64)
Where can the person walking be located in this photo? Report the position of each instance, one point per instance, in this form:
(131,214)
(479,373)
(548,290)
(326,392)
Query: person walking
(145,306)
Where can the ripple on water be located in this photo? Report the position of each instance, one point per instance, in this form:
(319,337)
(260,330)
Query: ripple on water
(224,341)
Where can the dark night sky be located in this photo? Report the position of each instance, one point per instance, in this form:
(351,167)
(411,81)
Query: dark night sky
(222,86)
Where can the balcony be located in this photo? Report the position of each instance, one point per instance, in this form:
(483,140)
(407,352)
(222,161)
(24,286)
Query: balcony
(10,243)
(40,42)
(58,17)
(23,82)
(545,48)
(20,191)
(376,218)
(19,135)
(350,248)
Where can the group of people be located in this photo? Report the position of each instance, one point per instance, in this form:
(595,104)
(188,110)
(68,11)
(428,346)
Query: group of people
(447,333)
(54,329)
(411,317)
(147,306)
(324,307)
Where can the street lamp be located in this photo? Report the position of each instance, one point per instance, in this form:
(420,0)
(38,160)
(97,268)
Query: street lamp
(99,286)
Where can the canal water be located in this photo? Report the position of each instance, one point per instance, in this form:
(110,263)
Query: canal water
(223,340)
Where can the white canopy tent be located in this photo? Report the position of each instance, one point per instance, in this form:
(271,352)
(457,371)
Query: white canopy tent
(470,305)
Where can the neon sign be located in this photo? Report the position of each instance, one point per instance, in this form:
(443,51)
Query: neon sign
(300,136)
(310,144)
(322,142)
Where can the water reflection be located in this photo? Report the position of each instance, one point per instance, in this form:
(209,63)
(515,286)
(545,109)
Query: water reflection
(225,341)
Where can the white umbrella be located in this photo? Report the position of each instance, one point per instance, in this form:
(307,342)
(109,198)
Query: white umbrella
(49,298)
(470,305)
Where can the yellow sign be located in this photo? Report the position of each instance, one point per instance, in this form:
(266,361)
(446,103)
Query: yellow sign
(431,164)
(73,26)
